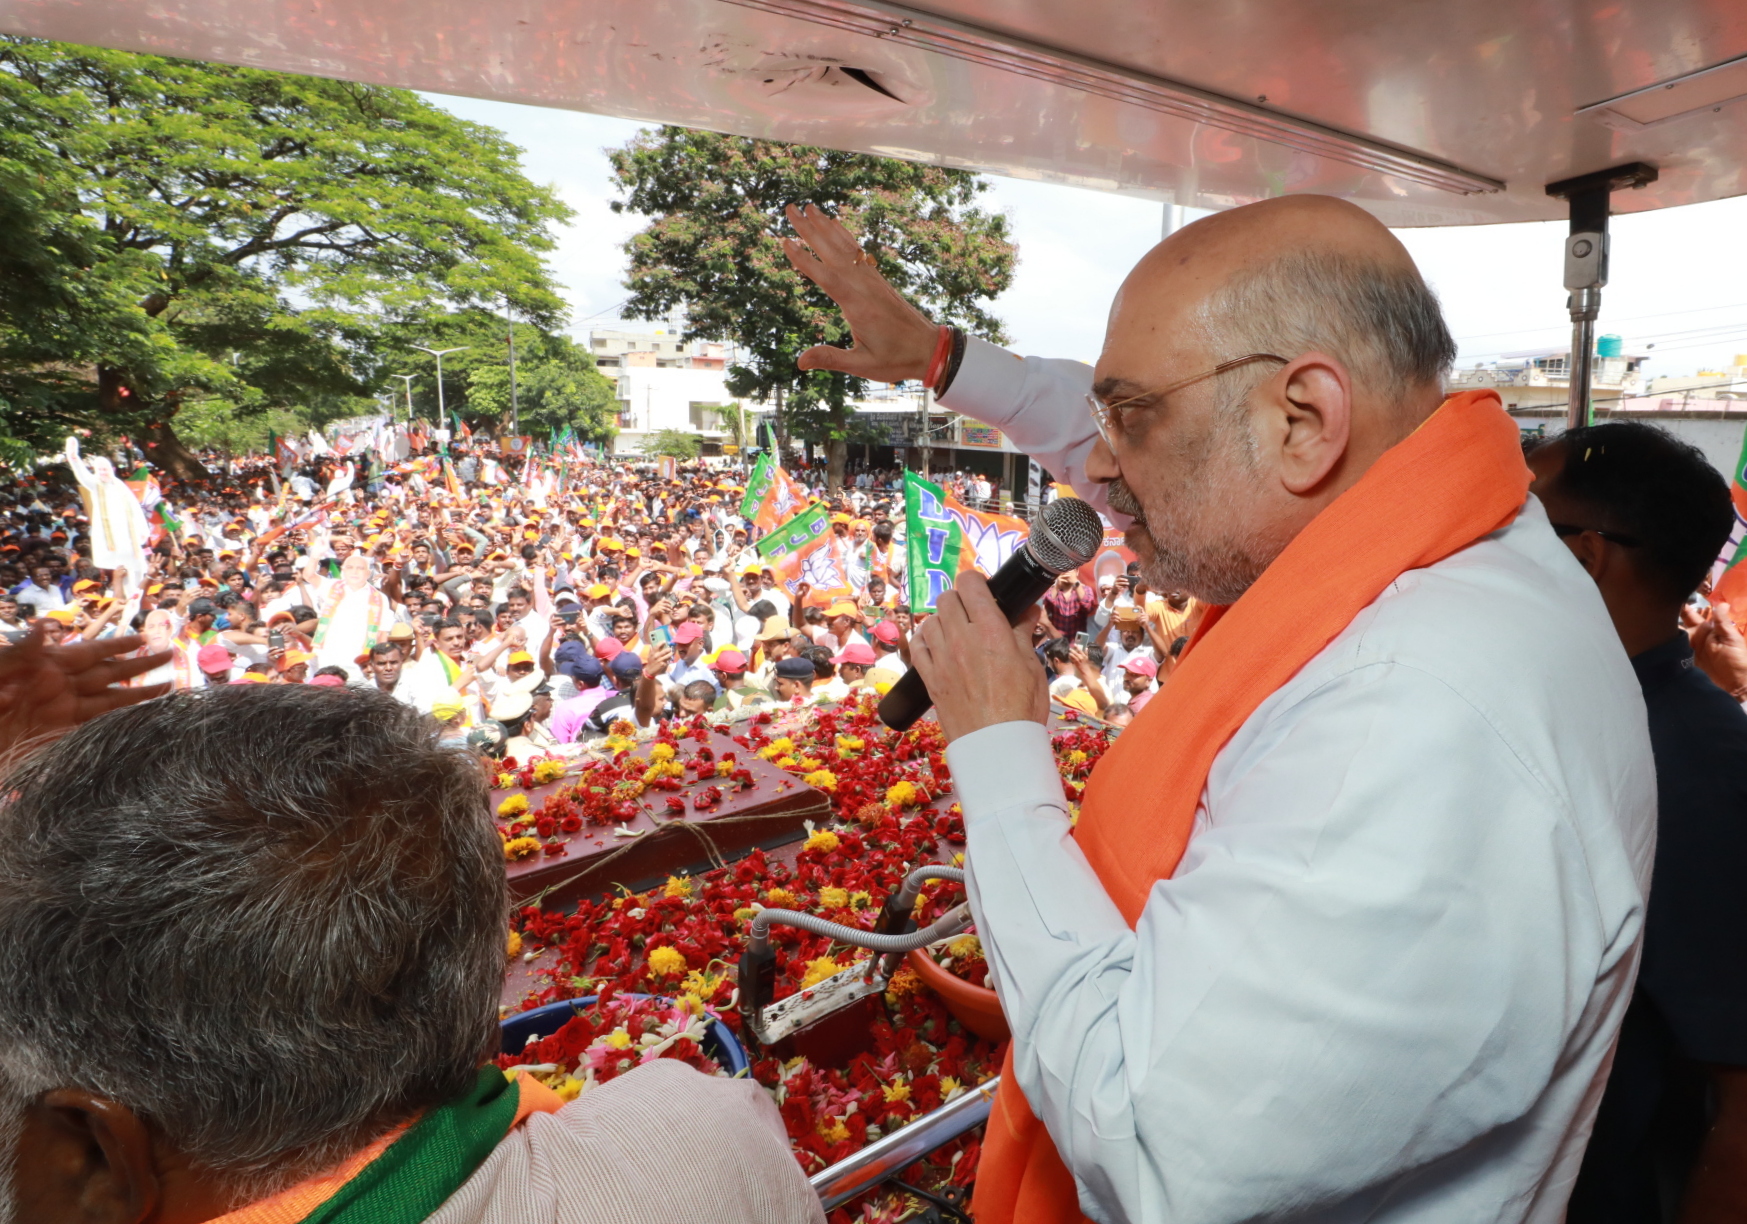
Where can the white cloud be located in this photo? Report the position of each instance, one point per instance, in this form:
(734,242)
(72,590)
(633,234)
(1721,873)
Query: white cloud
(1676,276)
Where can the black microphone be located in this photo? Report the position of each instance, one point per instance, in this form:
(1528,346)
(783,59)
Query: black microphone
(1064,537)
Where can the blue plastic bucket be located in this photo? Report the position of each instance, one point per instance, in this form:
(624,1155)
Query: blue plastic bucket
(719,1041)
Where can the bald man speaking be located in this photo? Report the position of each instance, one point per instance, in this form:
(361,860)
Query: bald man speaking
(1351,912)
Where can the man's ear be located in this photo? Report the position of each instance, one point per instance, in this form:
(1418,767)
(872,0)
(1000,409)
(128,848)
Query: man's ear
(86,1159)
(1307,420)
(1592,553)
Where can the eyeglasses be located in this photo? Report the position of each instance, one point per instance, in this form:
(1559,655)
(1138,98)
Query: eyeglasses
(1108,419)
(1570,529)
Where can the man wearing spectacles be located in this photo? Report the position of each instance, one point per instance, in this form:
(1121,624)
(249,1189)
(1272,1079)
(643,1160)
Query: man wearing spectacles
(1646,515)
(1348,920)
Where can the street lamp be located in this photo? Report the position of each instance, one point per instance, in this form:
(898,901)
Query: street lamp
(442,411)
(408,379)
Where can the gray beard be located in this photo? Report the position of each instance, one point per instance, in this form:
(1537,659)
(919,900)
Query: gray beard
(1216,569)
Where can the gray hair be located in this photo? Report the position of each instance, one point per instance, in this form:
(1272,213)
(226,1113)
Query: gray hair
(270,920)
(1381,319)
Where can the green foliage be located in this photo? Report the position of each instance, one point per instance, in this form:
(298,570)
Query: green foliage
(675,442)
(211,422)
(557,388)
(180,231)
(713,247)
(733,423)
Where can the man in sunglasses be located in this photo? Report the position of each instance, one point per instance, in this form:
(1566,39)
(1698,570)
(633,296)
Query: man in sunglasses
(1646,515)
(1348,920)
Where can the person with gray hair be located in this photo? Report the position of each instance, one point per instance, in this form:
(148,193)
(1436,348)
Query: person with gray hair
(1345,923)
(257,972)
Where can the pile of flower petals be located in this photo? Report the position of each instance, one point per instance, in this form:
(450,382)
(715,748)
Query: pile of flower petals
(681,939)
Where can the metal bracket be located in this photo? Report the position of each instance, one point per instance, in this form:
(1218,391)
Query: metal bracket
(786,1017)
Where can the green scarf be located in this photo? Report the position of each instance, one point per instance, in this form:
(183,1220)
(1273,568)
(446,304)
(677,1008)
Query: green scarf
(420,1170)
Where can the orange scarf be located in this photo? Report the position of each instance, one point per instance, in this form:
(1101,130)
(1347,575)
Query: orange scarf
(1458,477)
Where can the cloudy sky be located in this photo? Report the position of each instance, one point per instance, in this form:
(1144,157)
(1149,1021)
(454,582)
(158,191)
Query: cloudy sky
(1676,289)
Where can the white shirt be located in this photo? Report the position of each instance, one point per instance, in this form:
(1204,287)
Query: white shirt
(1386,978)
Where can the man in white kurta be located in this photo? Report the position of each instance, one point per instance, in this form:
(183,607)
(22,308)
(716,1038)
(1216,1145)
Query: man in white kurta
(1384,981)
(352,616)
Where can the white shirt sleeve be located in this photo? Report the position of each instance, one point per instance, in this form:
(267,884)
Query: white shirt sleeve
(1040,403)
(1356,988)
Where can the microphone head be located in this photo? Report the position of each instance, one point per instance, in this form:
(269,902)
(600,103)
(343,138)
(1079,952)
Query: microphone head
(1066,535)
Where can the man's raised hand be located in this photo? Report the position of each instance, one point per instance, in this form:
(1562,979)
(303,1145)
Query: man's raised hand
(893,340)
(47,690)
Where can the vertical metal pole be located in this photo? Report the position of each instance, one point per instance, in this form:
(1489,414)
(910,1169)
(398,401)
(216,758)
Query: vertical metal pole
(1176,217)
(442,411)
(515,413)
(1586,253)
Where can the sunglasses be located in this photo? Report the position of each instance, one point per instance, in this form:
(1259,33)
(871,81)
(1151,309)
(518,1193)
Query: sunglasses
(1570,529)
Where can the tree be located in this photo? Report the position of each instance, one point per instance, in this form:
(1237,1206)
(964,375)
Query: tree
(184,232)
(558,387)
(675,442)
(712,247)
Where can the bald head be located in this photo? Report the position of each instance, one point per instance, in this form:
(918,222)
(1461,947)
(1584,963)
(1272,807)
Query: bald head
(1292,275)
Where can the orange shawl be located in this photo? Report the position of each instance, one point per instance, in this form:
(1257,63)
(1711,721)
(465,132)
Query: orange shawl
(1458,477)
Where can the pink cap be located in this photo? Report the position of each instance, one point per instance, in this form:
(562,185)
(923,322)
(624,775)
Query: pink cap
(730,661)
(608,648)
(213,657)
(329,682)
(886,632)
(856,652)
(1141,665)
(686,634)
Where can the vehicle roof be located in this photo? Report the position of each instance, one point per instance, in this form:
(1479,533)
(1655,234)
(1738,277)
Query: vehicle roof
(1427,112)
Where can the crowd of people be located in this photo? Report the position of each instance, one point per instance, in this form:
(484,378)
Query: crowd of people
(532,615)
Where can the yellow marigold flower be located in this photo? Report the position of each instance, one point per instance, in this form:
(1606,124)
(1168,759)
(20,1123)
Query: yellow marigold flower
(622,727)
(661,752)
(689,1002)
(1076,757)
(673,769)
(850,743)
(618,1039)
(778,896)
(902,794)
(785,762)
(650,774)
(824,779)
(808,764)
(948,1086)
(834,1132)
(833,898)
(513,945)
(965,947)
(822,839)
(570,1089)
(700,984)
(897,1092)
(667,962)
(904,983)
(521,847)
(783,746)
(818,971)
(504,781)
(514,806)
(861,900)
(618,743)
(677,886)
(724,768)
(548,771)
(745,914)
